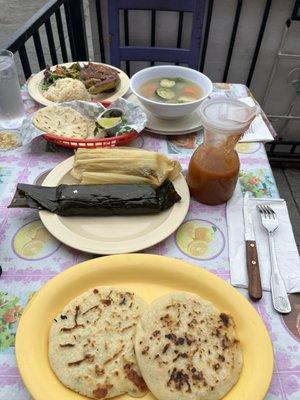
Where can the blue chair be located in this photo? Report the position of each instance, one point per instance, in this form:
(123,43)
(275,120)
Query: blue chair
(177,55)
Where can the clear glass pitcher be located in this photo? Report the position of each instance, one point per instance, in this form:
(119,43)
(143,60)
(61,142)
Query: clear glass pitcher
(11,104)
(214,167)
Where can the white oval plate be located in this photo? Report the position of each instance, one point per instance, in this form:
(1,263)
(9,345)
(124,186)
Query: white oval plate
(35,82)
(116,234)
(180,126)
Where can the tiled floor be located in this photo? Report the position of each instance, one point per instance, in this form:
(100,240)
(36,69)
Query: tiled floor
(16,12)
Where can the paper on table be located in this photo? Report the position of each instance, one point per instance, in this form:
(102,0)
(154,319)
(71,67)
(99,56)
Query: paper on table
(286,249)
(258,131)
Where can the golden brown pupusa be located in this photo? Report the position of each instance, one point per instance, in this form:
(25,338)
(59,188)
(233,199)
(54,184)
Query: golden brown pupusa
(187,349)
(91,343)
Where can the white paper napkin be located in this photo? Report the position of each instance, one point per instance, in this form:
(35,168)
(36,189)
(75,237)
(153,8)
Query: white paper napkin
(258,131)
(286,249)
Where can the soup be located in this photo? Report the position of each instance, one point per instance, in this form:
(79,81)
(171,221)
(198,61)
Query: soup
(171,90)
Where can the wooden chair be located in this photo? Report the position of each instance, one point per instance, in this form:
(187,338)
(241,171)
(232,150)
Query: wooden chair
(128,53)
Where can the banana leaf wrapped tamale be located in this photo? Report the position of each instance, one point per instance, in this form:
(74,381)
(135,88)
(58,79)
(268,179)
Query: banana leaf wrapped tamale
(97,200)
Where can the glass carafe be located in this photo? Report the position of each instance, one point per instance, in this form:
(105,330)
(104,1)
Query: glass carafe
(214,167)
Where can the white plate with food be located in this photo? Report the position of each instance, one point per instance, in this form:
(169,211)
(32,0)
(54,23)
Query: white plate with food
(83,80)
(188,124)
(109,325)
(116,234)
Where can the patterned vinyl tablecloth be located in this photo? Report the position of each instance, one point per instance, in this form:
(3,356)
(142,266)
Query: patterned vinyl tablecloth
(30,256)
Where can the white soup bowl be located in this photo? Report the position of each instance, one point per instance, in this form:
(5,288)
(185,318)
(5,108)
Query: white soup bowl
(169,110)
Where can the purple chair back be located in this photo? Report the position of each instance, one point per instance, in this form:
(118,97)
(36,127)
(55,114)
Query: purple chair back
(161,54)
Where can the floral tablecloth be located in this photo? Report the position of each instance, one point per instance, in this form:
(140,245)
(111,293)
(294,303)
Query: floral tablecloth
(30,256)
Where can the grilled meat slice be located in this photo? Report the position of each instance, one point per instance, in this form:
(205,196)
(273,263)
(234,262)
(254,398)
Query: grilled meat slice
(99,78)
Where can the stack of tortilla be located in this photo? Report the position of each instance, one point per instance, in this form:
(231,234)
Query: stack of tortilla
(64,121)
(107,342)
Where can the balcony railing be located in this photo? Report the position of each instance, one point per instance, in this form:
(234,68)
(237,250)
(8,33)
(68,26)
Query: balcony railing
(64,23)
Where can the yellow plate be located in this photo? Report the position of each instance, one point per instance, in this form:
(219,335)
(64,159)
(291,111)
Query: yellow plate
(34,84)
(149,276)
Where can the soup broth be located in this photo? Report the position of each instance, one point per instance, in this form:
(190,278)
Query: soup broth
(171,90)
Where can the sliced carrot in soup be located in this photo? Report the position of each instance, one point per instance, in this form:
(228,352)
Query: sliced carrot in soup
(194,91)
(149,89)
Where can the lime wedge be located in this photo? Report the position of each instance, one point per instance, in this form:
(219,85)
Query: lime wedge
(107,123)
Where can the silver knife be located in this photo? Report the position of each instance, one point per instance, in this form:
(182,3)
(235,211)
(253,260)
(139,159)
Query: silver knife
(254,282)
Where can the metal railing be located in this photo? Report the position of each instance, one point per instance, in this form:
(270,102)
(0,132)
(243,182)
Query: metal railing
(284,153)
(236,21)
(210,8)
(76,35)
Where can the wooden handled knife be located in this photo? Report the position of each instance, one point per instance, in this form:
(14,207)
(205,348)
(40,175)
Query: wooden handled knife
(254,285)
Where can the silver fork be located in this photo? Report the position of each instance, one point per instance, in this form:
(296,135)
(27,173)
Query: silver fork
(280,298)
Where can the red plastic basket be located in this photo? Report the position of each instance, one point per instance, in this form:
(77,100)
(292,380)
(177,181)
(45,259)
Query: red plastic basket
(74,143)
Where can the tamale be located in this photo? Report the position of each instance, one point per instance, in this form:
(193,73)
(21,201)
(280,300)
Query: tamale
(97,200)
(89,178)
(116,166)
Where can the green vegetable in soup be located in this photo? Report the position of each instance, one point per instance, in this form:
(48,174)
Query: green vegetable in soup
(185,99)
(172,90)
(165,93)
(167,83)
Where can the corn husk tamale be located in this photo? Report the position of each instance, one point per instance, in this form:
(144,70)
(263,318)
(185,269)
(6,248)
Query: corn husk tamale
(114,166)
(96,200)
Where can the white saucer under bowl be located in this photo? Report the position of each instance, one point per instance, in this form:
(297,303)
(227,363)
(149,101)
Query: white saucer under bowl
(180,126)
(171,133)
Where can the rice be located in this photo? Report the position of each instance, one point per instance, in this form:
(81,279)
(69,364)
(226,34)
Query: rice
(67,89)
